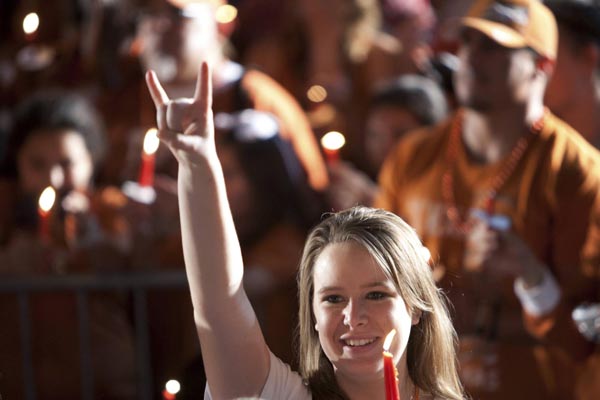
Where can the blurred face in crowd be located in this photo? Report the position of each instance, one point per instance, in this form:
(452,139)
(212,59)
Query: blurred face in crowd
(174,43)
(385,125)
(59,158)
(491,76)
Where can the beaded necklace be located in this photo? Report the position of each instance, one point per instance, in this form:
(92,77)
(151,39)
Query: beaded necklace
(464,224)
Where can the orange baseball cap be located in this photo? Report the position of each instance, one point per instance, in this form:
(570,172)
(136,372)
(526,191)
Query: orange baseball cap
(515,24)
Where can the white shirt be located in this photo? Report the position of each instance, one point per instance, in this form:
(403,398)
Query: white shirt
(282,383)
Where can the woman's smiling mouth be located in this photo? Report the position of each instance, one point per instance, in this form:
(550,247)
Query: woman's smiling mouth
(358,342)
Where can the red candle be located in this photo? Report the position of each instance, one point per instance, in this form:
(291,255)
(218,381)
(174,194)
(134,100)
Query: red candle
(389,369)
(151,143)
(45,203)
(167,395)
(332,142)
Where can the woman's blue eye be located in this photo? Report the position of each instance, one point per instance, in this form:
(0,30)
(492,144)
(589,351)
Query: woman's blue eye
(333,298)
(376,295)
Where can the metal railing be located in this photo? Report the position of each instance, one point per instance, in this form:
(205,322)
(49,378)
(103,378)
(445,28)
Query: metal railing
(82,285)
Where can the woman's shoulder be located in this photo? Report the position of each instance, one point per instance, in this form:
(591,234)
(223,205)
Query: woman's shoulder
(283,383)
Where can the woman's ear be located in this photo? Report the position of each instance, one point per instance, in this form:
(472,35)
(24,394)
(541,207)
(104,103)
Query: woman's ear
(316,327)
(416,316)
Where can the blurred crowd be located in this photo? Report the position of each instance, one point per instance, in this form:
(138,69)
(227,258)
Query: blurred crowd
(75,117)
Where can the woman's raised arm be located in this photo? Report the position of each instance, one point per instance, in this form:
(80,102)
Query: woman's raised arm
(235,355)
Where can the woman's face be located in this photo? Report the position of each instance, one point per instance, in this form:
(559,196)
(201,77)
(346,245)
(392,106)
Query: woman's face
(355,307)
(59,158)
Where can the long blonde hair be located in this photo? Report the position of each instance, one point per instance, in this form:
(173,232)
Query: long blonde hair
(431,349)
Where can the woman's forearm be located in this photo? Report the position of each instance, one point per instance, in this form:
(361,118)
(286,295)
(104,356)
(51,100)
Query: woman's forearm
(210,246)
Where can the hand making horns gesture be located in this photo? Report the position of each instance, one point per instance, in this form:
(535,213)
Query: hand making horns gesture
(233,347)
(185,125)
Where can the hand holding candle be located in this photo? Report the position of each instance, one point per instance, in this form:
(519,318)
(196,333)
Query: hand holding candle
(389,369)
(332,142)
(45,204)
(151,143)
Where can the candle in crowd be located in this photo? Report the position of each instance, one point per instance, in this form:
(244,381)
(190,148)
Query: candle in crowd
(172,387)
(45,204)
(332,142)
(226,14)
(151,143)
(31,23)
(389,369)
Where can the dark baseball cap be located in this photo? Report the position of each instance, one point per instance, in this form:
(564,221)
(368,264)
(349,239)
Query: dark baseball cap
(581,17)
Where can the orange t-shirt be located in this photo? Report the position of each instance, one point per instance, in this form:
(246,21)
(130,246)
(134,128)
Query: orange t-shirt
(550,200)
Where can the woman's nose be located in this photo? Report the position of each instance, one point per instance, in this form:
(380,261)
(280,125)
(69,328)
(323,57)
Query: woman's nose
(355,314)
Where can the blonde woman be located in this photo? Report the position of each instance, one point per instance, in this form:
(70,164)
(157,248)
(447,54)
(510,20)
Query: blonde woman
(363,274)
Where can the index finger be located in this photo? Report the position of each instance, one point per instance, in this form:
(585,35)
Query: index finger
(159,96)
(203,92)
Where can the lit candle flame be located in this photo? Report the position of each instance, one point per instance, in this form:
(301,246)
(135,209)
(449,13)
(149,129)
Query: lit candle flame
(47,199)
(226,13)
(31,23)
(387,343)
(333,140)
(172,386)
(151,141)
(316,93)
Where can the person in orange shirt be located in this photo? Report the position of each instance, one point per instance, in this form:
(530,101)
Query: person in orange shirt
(505,195)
